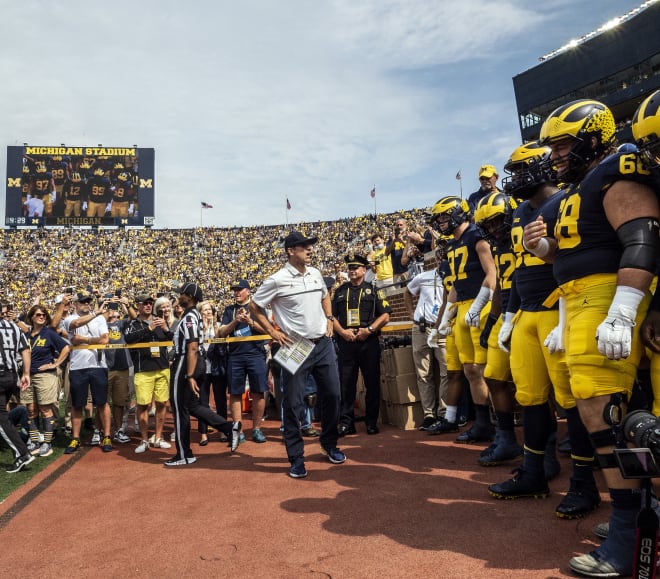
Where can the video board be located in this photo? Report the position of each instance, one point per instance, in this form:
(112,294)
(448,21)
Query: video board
(79,186)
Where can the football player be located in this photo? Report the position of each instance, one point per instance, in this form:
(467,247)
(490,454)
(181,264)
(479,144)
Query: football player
(535,368)
(473,277)
(493,218)
(72,192)
(99,194)
(44,187)
(121,196)
(646,131)
(604,248)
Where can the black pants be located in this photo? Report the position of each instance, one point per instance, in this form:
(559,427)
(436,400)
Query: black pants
(365,357)
(8,386)
(186,403)
(217,383)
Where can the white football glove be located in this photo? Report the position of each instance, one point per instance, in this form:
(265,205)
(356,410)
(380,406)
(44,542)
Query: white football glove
(472,315)
(614,334)
(504,337)
(432,339)
(444,329)
(555,339)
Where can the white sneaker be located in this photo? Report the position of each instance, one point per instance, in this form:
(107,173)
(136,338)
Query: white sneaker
(152,439)
(96,438)
(33,448)
(121,436)
(160,443)
(45,449)
(142,447)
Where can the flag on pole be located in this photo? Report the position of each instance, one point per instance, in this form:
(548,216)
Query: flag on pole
(205,205)
(373,192)
(288,204)
(458,175)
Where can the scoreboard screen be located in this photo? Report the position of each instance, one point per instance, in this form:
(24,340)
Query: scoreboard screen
(79,186)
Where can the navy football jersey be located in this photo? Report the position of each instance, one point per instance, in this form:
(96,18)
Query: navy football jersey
(505,263)
(467,275)
(587,244)
(535,280)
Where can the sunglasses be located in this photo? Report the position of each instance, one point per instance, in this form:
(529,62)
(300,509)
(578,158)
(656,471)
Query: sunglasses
(38,315)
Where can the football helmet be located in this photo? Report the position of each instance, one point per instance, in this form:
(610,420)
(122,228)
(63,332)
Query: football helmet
(41,168)
(528,167)
(124,177)
(99,172)
(455,208)
(494,216)
(646,131)
(581,121)
(76,177)
(26,170)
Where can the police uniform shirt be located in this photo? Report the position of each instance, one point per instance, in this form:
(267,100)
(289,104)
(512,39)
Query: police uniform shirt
(188,330)
(44,347)
(296,301)
(12,341)
(587,244)
(357,306)
(87,358)
(534,278)
(430,289)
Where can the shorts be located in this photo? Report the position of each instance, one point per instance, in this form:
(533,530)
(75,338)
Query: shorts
(497,360)
(253,367)
(44,389)
(94,380)
(118,387)
(153,384)
(587,303)
(467,338)
(534,369)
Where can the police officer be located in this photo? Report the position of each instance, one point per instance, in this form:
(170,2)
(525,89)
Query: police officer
(359,313)
(12,344)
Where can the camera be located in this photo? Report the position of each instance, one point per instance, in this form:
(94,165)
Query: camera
(642,429)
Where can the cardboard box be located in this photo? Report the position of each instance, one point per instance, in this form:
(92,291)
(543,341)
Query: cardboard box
(403,389)
(405,416)
(397,361)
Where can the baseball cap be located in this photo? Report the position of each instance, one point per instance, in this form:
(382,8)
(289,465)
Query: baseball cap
(192,290)
(83,296)
(144,297)
(356,259)
(487,171)
(296,238)
(240,284)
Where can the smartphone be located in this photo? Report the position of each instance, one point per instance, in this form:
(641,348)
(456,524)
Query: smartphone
(118,293)
(636,462)
(69,290)
(109,296)
(113,306)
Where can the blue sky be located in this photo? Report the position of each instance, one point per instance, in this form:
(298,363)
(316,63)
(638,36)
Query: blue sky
(250,102)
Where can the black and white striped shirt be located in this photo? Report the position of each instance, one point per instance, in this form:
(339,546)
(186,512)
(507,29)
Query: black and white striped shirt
(188,330)
(12,343)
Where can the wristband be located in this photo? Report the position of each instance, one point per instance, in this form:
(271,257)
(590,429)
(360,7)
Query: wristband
(541,250)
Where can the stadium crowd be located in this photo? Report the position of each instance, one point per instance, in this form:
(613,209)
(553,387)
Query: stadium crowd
(40,263)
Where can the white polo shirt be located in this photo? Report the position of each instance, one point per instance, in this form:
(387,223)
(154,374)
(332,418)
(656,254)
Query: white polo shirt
(428,286)
(296,300)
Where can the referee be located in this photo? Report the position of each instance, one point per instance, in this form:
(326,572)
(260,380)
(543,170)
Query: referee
(12,343)
(184,391)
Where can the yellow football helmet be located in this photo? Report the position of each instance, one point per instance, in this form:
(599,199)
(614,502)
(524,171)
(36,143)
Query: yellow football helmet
(456,208)
(41,168)
(646,131)
(494,216)
(99,172)
(528,167)
(581,121)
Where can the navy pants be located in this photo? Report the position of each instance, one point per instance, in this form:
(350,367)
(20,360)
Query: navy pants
(322,365)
